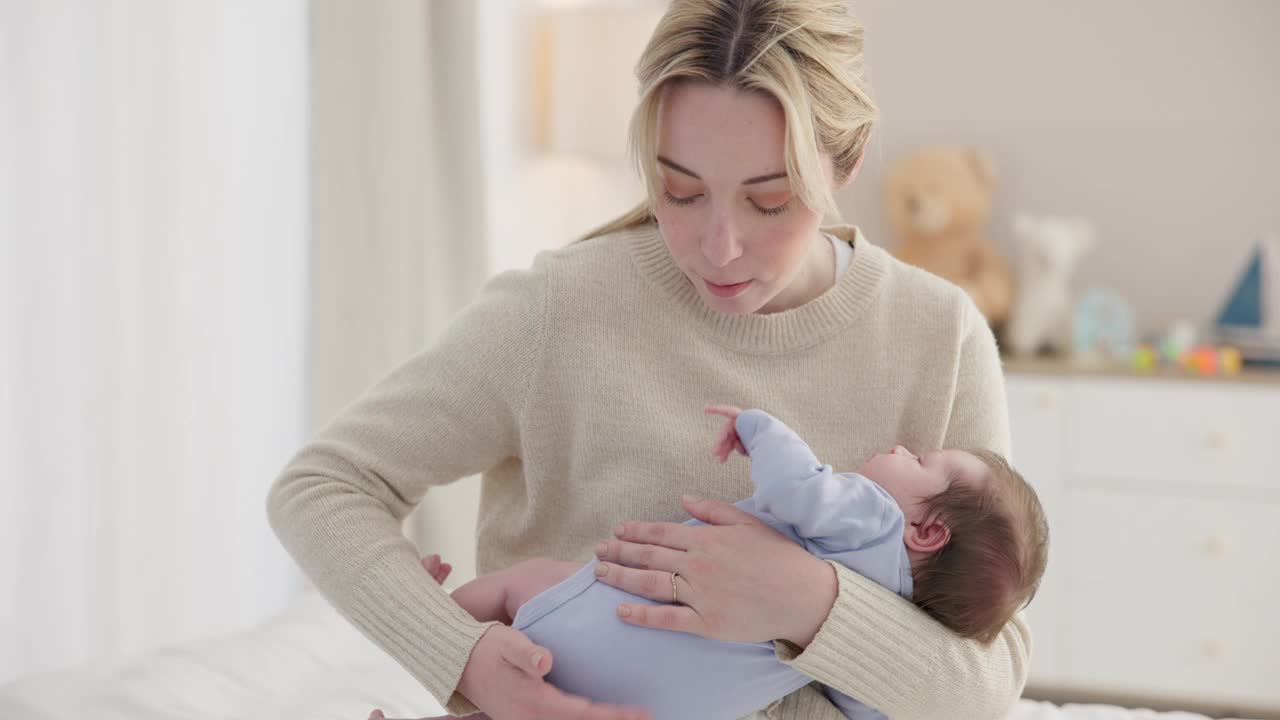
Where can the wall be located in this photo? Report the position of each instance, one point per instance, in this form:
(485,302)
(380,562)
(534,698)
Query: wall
(1156,119)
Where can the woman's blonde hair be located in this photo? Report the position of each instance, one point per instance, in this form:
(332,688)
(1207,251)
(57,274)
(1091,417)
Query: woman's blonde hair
(805,54)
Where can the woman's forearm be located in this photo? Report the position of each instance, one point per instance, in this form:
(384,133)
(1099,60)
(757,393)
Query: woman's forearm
(886,652)
(813,603)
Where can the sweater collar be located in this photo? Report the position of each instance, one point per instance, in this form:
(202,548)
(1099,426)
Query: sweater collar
(799,327)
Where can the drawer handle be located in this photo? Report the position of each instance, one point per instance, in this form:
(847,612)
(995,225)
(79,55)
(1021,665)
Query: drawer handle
(1214,648)
(1216,546)
(1218,440)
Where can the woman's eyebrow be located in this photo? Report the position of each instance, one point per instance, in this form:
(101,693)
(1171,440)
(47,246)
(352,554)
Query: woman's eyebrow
(748,181)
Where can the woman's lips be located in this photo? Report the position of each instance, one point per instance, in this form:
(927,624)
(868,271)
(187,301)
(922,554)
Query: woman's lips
(726,291)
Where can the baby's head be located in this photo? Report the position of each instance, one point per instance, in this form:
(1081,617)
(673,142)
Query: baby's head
(975,532)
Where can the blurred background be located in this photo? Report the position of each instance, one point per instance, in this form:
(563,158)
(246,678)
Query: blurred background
(221,221)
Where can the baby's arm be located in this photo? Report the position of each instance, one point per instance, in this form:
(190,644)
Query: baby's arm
(778,455)
(842,511)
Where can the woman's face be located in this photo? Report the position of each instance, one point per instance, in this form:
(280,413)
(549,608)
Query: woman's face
(725,206)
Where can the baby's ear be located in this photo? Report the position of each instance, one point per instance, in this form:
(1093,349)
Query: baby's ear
(927,535)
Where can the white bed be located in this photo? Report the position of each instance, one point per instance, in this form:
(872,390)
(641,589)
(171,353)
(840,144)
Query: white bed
(306,662)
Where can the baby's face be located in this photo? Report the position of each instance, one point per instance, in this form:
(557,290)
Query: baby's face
(911,479)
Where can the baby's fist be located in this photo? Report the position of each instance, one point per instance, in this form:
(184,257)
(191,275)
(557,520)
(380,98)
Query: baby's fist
(435,568)
(727,441)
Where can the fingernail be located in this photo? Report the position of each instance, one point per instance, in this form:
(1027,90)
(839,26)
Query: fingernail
(602,570)
(624,611)
(537,658)
(601,549)
(618,530)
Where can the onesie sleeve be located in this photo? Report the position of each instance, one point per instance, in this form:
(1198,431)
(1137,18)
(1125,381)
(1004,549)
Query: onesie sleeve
(837,511)
(777,453)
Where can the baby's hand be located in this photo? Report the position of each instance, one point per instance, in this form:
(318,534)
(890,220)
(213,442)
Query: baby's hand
(727,441)
(436,569)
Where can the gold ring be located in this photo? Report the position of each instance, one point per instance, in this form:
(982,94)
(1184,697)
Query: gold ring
(673,588)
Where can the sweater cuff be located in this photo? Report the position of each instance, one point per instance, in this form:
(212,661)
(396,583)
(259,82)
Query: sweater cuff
(858,650)
(404,611)
(809,702)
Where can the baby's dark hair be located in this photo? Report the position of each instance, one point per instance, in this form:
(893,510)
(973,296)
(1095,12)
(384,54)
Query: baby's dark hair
(991,567)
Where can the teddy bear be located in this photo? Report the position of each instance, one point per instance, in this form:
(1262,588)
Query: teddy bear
(939,204)
(1049,250)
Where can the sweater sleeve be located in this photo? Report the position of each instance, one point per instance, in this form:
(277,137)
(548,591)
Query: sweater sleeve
(447,413)
(886,652)
(980,411)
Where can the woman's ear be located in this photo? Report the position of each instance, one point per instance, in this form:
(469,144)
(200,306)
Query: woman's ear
(928,535)
(854,172)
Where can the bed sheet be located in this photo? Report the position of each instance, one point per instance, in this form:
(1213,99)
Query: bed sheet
(304,662)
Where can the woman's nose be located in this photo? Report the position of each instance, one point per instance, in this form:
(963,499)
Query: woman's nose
(721,245)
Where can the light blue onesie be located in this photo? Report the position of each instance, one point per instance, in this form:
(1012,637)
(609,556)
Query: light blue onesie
(843,517)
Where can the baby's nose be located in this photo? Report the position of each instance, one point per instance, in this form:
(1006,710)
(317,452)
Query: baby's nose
(899,450)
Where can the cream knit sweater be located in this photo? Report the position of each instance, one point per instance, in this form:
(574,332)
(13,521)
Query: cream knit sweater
(576,387)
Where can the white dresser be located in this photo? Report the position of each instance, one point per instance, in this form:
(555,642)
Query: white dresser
(1163,497)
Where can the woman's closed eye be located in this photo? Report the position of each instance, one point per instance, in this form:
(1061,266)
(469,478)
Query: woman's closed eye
(684,201)
(776,210)
(680,201)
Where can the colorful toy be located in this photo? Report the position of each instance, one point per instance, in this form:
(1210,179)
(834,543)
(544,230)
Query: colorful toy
(1250,318)
(1182,336)
(1103,327)
(1204,360)
(1145,358)
(1208,360)
(1232,360)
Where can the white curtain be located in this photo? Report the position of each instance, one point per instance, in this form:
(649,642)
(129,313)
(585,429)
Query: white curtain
(403,204)
(153,269)
(397,208)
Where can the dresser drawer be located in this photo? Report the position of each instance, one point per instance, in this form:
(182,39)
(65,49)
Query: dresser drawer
(1174,433)
(1170,543)
(1174,595)
(1212,644)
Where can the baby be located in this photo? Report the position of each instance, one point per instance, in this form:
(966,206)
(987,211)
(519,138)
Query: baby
(959,533)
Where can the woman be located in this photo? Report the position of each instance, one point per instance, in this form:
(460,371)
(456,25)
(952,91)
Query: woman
(576,387)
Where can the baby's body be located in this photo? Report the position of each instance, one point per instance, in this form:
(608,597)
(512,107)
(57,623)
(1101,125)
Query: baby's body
(843,517)
(560,606)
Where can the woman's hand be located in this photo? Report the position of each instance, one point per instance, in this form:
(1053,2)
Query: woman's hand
(727,441)
(504,678)
(739,580)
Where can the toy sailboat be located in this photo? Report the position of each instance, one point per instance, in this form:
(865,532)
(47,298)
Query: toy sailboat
(1250,319)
